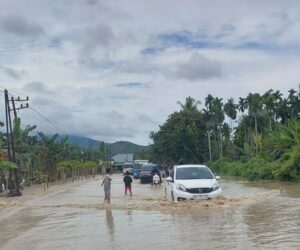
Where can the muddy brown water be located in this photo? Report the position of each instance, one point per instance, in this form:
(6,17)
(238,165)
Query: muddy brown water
(256,215)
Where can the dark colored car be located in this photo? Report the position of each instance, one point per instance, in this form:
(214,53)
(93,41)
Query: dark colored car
(147,172)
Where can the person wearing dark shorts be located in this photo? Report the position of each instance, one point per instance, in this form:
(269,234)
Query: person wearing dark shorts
(127,180)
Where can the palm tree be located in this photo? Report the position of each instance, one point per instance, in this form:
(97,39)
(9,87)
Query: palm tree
(242,104)
(230,109)
(190,104)
(269,102)
(208,125)
(282,112)
(254,102)
(214,107)
(293,103)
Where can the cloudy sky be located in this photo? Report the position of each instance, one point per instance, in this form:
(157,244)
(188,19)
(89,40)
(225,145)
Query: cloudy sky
(114,70)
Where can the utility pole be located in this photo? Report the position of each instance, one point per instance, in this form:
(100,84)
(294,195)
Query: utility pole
(8,139)
(106,155)
(11,154)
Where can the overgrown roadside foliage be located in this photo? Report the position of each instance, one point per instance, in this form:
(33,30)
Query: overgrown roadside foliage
(257,137)
(279,158)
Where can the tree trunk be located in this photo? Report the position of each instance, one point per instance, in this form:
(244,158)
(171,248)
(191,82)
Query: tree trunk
(209,144)
(220,142)
(256,146)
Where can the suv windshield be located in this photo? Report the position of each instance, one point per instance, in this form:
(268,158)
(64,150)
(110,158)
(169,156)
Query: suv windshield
(188,173)
(148,167)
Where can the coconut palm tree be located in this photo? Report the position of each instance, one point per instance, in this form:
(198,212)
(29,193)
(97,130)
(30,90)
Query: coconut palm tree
(242,104)
(190,104)
(293,103)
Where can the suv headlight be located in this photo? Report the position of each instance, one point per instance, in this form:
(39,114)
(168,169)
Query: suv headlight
(180,187)
(216,186)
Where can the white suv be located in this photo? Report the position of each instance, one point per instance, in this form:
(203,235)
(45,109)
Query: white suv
(193,182)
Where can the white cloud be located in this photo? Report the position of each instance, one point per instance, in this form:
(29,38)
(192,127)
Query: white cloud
(81,61)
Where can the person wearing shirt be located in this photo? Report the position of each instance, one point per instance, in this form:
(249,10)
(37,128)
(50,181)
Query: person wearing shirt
(106,183)
(127,180)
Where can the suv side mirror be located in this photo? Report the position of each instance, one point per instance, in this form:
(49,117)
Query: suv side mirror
(218,177)
(169,179)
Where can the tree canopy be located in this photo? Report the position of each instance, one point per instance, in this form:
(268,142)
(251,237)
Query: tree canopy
(259,126)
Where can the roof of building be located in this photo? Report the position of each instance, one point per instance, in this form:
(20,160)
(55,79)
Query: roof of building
(122,158)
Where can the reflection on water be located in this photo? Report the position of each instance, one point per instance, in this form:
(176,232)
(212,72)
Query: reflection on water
(75,220)
(110,223)
(129,215)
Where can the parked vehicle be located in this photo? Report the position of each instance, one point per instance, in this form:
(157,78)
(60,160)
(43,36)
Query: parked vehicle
(194,182)
(128,167)
(136,170)
(147,172)
(141,162)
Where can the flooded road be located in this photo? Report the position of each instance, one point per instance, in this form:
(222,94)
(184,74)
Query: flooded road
(257,215)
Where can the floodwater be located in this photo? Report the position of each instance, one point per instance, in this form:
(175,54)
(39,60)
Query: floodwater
(256,215)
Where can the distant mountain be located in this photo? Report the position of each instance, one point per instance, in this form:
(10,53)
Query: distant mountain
(83,142)
(119,147)
(125,147)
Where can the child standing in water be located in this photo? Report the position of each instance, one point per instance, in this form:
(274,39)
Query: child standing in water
(106,183)
(127,180)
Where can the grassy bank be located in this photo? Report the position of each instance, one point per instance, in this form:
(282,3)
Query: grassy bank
(257,168)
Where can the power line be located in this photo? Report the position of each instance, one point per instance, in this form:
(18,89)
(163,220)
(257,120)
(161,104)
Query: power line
(40,110)
(34,109)
(46,119)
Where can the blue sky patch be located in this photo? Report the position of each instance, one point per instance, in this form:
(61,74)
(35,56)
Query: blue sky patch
(152,50)
(181,39)
(55,43)
(132,85)
(257,46)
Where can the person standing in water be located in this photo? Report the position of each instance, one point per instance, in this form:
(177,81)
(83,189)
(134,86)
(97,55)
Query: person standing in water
(127,180)
(106,183)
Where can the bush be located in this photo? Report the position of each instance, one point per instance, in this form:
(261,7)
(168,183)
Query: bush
(226,167)
(257,169)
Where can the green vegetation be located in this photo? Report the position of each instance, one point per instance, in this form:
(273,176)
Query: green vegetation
(42,159)
(256,138)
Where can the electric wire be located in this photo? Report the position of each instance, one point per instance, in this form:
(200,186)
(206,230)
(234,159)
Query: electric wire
(34,108)
(46,119)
